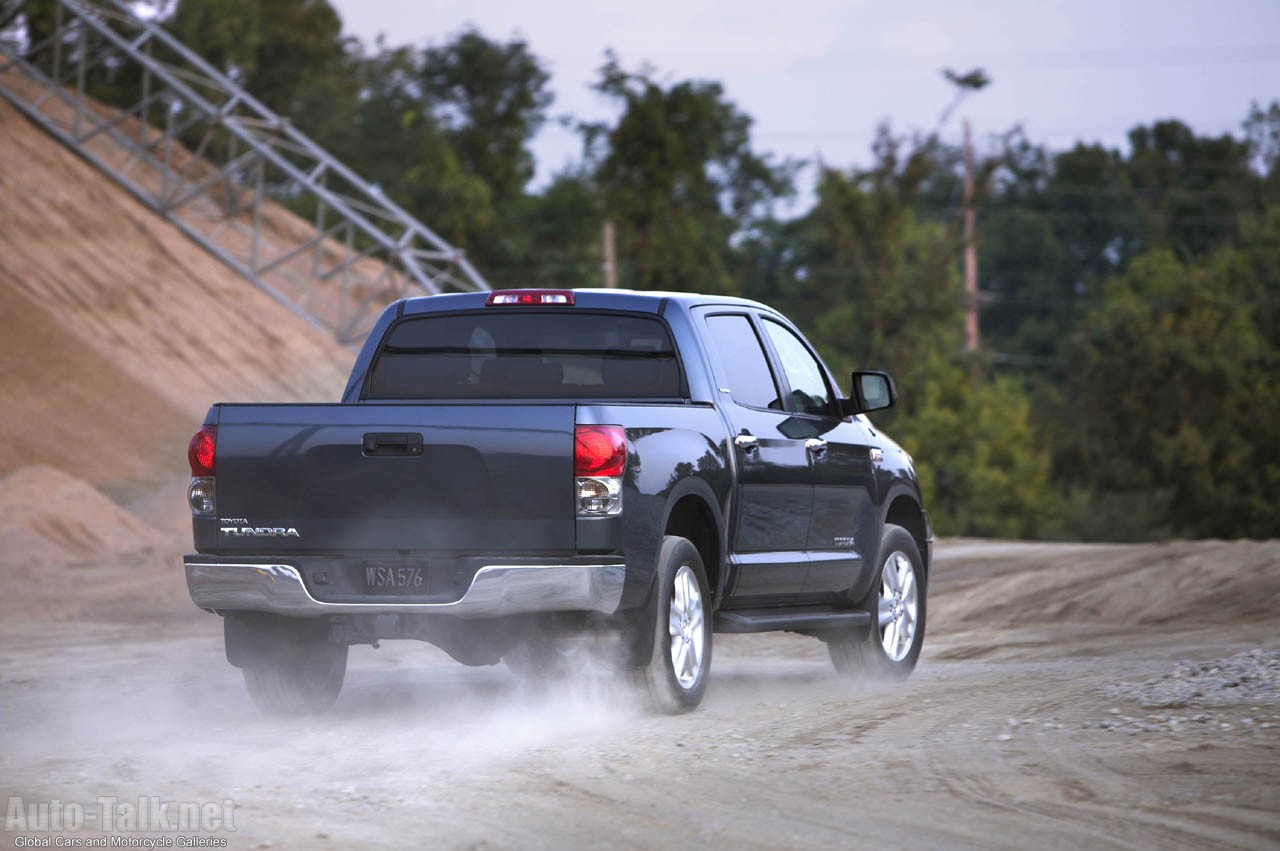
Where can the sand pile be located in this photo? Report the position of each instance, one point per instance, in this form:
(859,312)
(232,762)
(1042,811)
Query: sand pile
(118,330)
(48,518)
(66,405)
(116,334)
(1183,583)
(67,552)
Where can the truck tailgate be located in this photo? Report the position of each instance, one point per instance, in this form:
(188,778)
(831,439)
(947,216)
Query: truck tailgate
(408,477)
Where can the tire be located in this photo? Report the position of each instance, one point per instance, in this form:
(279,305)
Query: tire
(896,602)
(303,679)
(675,677)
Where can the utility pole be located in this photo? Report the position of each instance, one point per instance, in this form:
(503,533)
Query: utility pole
(610,257)
(965,85)
(970,249)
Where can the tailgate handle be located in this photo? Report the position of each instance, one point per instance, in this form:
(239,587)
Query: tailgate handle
(393,445)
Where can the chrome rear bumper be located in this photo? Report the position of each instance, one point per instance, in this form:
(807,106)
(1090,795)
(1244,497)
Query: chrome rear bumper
(496,590)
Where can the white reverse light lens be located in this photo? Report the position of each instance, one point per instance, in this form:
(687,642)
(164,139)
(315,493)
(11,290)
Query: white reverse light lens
(599,496)
(200,495)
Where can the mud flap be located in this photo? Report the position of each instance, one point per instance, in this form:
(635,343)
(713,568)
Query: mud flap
(256,637)
(637,630)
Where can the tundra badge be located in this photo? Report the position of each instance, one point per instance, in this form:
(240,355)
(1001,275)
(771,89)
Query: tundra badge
(238,527)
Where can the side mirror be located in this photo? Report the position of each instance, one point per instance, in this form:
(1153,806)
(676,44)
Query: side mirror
(872,391)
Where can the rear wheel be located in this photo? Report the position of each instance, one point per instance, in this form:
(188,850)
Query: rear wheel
(300,679)
(675,677)
(897,606)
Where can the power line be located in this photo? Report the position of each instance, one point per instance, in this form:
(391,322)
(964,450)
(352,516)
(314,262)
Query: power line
(1067,59)
(1227,126)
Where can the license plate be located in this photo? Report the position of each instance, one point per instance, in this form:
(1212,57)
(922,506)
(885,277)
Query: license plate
(395,578)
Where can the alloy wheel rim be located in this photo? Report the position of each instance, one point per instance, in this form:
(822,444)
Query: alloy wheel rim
(685,624)
(898,607)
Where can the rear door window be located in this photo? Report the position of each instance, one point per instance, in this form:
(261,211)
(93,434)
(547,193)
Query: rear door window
(743,361)
(526,355)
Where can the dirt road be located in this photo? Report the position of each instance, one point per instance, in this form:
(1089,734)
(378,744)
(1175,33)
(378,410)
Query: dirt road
(1050,710)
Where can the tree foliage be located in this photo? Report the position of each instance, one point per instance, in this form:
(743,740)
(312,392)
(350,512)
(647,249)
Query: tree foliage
(491,98)
(392,136)
(1175,387)
(280,50)
(877,287)
(679,177)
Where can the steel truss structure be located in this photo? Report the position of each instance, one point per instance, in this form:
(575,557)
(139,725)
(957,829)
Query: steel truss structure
(237,178)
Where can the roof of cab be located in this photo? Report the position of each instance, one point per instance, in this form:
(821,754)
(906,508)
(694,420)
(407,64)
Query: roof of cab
(607,299)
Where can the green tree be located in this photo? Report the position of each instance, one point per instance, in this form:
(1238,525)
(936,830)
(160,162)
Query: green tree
(391,137)
(491,98)
(679,177)
(553,238)
(1174,388)
(1191,191)
(28,23)
(279,51)
(982,466)
(1056,226)
(875,286)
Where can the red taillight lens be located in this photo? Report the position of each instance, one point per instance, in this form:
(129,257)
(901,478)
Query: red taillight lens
(202,450)
(599,450)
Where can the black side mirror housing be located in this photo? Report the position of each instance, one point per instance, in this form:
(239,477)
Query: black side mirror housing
(871,391)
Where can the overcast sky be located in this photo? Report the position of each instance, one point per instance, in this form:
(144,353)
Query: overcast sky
(818,75)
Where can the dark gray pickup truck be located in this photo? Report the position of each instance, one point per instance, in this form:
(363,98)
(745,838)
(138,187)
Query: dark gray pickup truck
(509,472)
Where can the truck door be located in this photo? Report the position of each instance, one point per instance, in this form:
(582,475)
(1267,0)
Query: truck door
(775,493)
(842,529)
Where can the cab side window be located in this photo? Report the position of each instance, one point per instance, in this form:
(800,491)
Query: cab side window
(809,391)
(743,362)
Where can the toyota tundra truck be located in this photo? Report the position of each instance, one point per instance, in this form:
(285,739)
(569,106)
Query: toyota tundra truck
(510,471)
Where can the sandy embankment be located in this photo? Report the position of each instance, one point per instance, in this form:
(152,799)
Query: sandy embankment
(116,333)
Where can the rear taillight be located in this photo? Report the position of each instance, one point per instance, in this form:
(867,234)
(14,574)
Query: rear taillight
(201,451)
(201,455)
(516,298)
(599,460)
(599,450)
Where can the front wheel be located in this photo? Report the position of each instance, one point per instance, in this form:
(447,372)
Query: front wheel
(897,606)
(675,677)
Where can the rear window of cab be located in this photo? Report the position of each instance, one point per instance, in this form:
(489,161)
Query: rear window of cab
(526,355)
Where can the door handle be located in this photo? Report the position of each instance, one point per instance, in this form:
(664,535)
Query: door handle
(817,446)
(748,443)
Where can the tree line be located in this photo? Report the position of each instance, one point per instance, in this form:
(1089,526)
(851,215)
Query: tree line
(1126,387)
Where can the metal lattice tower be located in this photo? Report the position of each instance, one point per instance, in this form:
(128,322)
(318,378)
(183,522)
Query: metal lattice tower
(234,176)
